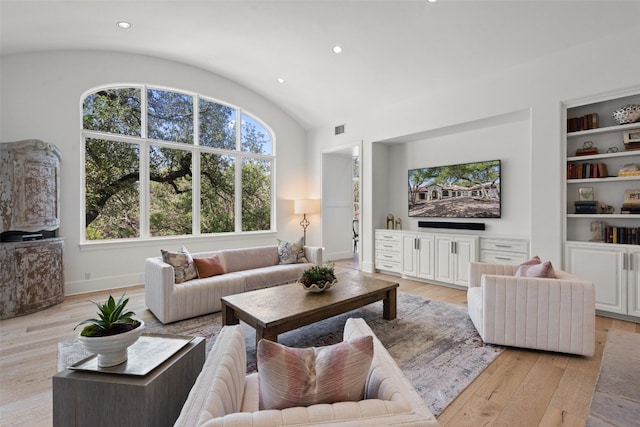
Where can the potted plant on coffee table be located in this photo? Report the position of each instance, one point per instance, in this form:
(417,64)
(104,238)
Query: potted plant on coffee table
(110,335)
(318,278)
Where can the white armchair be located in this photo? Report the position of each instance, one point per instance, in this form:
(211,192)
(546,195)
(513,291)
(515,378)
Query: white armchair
(540,313)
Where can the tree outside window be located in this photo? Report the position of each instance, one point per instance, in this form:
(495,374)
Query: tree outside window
(143,152)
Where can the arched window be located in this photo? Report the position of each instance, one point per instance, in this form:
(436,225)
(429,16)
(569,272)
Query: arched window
(163,162)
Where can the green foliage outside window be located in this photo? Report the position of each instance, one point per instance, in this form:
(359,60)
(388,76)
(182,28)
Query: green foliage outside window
(114,190)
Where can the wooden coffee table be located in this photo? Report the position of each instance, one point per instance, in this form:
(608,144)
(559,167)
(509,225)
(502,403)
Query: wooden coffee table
(279,309)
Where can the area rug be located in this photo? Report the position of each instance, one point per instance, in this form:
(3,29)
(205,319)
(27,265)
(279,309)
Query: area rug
(434,343)
(616,398)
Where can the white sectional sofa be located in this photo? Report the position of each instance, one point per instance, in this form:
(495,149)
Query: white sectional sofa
(245,270)
(552,314)
(224,395)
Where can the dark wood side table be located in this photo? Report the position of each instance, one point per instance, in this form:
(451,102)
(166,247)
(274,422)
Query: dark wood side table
(82,398)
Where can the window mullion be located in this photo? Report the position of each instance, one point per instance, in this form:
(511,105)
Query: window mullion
(195,169)
(145,181)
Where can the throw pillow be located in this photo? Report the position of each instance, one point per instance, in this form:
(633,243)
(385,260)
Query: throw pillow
(182,263)
(290,377)
(543,270)
(291,253)
(534,260)
(209,266)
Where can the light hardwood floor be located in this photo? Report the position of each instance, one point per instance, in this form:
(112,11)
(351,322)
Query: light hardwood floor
(520,388)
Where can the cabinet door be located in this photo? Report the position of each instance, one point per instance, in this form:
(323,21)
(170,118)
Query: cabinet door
(408,255)
(465,252)
(604,267)
(425,257)
(444,259)
(633,284)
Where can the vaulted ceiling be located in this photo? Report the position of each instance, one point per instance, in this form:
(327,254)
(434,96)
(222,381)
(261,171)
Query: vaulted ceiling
(392,50)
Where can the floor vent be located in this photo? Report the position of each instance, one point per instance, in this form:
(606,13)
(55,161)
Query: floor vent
(339,129)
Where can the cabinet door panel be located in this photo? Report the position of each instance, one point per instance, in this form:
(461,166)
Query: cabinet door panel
(408,256)
(426,258)
(633,290)
(465,253)
(444,260)
(604,267)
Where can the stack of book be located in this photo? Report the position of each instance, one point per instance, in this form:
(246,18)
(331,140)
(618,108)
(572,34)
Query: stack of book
(588,121)
(630,208)
(586,207)
(631,146)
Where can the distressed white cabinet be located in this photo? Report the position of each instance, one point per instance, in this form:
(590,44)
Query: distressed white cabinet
(417,255)
(29,186)
(615,272)
(453,254)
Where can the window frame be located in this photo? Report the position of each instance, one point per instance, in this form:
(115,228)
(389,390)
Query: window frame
(144,143)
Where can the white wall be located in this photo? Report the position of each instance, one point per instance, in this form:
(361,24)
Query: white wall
(509,142)
(40,97)
(540,86)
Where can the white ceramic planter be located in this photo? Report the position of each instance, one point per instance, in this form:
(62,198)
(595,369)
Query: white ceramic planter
(112,350)
(316,289)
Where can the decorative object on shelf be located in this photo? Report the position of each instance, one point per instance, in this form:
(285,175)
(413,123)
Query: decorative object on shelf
(390,222)
(398,224)
(586,122)
(632,197)
(318,278)
(304,207)
(631,139)
(111,335)
(612,150)
(587,149)
(597,228)
(627,114)
(630,169)
(606,209)
(585,194)
(586,207)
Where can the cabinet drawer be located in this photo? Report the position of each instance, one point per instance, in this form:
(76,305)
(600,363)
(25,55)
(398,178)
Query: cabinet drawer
(387,265)
(387,256)
(388,245)
(388,236)
(497,257)
(505,245)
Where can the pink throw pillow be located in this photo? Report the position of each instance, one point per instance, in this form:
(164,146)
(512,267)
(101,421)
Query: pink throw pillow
(534,260)
(290,377)
(544,270)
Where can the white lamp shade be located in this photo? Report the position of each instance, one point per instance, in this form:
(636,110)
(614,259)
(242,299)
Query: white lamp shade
(305,206)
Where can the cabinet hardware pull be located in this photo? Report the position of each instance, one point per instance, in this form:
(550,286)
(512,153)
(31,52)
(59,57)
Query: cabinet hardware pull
(630,261)
(624,261)
(503,258)
(502,246)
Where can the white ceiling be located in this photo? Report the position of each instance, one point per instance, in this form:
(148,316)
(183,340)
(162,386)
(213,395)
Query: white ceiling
(393,50)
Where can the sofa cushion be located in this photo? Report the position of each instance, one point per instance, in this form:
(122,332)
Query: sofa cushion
(259,278)
(544,270)
(291,253)
(249,258)
(208,266)
(290,377)
(533,261)
(182,264)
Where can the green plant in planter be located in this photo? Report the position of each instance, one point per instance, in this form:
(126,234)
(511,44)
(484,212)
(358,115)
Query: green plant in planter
(318,275)
(113,319)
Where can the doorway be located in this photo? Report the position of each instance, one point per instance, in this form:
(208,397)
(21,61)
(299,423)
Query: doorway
(341,201)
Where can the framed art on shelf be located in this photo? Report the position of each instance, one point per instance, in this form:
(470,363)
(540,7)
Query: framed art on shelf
(632,197)
(585,194)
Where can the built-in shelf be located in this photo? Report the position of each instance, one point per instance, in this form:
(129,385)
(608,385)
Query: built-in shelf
(605,129)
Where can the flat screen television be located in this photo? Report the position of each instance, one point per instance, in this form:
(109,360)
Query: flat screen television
(469,190)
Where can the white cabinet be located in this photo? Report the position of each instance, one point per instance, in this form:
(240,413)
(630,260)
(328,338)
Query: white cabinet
(504,250)
(417,255)
(615,272)
(453,255)
(389,250)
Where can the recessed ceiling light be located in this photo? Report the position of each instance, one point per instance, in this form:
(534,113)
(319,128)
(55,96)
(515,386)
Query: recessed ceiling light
(337,49)
(124,25)
(280,80)
(431,1)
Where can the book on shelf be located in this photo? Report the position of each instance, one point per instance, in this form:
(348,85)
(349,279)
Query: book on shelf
(586,122)
(622,235)
(587,170)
